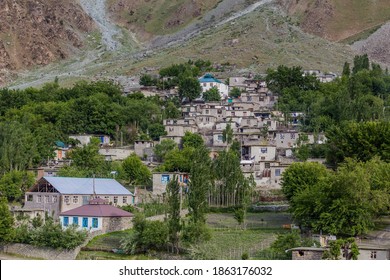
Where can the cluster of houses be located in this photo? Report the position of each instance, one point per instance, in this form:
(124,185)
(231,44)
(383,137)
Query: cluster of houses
(267,141)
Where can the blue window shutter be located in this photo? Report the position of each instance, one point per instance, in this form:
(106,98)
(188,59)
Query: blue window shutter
(85,222)
(75,220)
(66,221)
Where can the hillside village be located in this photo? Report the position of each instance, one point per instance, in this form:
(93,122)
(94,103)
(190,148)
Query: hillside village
(244,121)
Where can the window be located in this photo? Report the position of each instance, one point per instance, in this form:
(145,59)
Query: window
(30,197)
(47,199)
(115,199)
(75,199)
(263,150)
(66,199)
(220,137)
(66,221)
(373,255)
(39,198)
(55,199)
(277,172)
(281,136)
(85,199)
(164,179)
(267,165)
(95,222)
(125,200)
(85,222)
(292,135)
(249,98)
(75,220)
(207,112)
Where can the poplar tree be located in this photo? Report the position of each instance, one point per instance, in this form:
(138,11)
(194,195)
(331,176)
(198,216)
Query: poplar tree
(173,213)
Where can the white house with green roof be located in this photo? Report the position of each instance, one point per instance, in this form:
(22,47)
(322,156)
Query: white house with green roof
(208,81)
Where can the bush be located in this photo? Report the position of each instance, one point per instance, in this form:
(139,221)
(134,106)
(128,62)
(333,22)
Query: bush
(147,236)
(50,234)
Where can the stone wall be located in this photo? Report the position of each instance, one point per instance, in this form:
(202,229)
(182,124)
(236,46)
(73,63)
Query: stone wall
(307,255)
(116,224)
(44,252)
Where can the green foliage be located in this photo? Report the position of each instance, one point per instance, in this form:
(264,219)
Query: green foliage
(162,149)
(14,183)
(173,196)
(192,140)
(285,77)
(147,80)
(49,234)
(171,111)
(195,230)
(360,62)
(362,141)
(189,88)
(300,176)
(344,202)
(136,172)
(227,134)
(288,241)
(211,95)
(156,130)
(177,160)
(347,247)
(235,92)
(147,235)
(6,222)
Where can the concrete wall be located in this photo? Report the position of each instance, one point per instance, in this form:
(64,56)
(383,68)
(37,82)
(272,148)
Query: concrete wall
(116,153)
(373,254)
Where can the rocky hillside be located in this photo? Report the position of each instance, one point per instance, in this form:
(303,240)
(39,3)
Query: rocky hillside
(251,35)
(37,32)
(338,20)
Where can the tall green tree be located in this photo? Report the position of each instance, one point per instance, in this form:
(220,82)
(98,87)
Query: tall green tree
(135,171)
(211,95)
(162,149)
(6,222)
(14,184)
(173,195)
(199,186)
(189,88)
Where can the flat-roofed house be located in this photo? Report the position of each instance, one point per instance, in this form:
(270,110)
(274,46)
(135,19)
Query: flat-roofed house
(59,194)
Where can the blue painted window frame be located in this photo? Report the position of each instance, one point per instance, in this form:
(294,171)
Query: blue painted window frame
(85,222)
(66,221)
(76,220)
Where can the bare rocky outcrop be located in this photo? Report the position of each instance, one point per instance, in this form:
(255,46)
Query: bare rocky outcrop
(37,32)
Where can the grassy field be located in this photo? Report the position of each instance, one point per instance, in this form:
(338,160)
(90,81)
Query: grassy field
(229,240)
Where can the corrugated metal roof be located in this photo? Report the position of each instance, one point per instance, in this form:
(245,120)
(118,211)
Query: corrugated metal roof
(97,210)
(70,185)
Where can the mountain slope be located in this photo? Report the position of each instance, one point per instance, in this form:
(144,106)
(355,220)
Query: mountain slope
(251,35)
(337,20)
(37,32)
